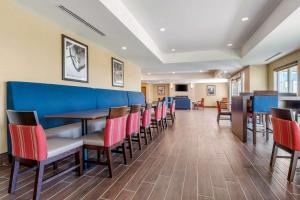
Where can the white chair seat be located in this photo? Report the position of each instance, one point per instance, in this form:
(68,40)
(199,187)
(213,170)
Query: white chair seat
(96,139)
(57,146)
(74,130)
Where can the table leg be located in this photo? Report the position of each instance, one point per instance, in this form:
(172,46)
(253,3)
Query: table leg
(84,132)
(267,127)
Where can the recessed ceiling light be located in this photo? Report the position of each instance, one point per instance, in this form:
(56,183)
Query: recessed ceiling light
(225,71)
(173,50)
(148,73)
(124,48)
(173,72)
(162,29)
(200,71)
(245,19)
(229,44)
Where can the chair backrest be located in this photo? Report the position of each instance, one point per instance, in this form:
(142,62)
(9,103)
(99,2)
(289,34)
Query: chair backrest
(225,99)
(27,136)
(286,132)
(146,119)
(115,128)
(264,101)
(164,109)
(219,106)
(158,111)
(22,117)
(172,107)
(133,120)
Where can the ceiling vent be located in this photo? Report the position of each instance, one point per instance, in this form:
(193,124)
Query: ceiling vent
(76,17)
(277,54)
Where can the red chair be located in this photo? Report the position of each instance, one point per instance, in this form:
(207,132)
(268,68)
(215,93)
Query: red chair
(133,126)
(113,137)
(164,115)
(222,113)
(30,145)
(146,123)
(201,103)
(157,118)
(286,135)
(171,114)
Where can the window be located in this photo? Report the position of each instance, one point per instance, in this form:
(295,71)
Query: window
(286,80)
(237,85)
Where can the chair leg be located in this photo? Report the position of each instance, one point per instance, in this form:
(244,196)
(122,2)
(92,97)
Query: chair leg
(145,134)
(267,127)
(78,161)
(274,155)
(218,118)
(38,180)
(109,161)
(157,127)
(13,176)
(293,166)
(150,132)
(139,141)
(254,127)
(130,144)
(124,153)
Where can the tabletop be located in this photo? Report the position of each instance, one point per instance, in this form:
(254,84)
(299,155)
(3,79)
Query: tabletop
(85,114)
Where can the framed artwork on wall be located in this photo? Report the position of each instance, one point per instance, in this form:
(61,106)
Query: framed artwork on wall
(211,90)
(161,90)
(117,72)
(74,60)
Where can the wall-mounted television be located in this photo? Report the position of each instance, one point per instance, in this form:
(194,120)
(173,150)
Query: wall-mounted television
(181,87)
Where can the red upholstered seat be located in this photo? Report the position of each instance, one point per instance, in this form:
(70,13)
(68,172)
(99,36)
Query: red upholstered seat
(158,113)
(286,133)
(133,123)
(146,119)
(115,131)
(28,142)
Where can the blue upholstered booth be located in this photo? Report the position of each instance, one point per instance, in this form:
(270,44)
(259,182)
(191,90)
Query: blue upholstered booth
(183,102)
(49,99)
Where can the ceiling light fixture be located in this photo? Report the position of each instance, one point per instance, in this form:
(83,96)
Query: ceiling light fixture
(173,50)
(124,48)
(173,72)
(229,44)
(245,19)
(200,71)
(148,73)
(162,29)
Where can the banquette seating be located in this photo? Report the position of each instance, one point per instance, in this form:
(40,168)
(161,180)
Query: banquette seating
(49,99)
(183,102)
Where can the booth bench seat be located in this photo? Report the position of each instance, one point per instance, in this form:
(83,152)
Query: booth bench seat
(74,130)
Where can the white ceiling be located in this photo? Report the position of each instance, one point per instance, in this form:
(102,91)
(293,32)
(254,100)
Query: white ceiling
(196,25)
(199,30)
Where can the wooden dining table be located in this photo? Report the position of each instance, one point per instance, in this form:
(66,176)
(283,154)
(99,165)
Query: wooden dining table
(83,115)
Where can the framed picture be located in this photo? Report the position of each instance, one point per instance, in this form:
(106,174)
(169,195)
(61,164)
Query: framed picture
(211,90)
(117,72)
(161,90)
(74,60)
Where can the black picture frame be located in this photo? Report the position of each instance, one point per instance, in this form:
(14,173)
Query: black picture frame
(117,74)
(67,69)
(211,90)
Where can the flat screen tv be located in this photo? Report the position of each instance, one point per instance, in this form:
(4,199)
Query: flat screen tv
(181,87)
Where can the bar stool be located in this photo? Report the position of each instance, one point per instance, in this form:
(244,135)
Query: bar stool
(156,120)
(113,137)
(262,103)
(146,122)
(30,145)
(171,114)
(133,127)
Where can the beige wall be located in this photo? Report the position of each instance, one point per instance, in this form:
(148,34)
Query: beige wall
(31,51)
(200,92)
(295,56)
(149,91)
(258,77)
